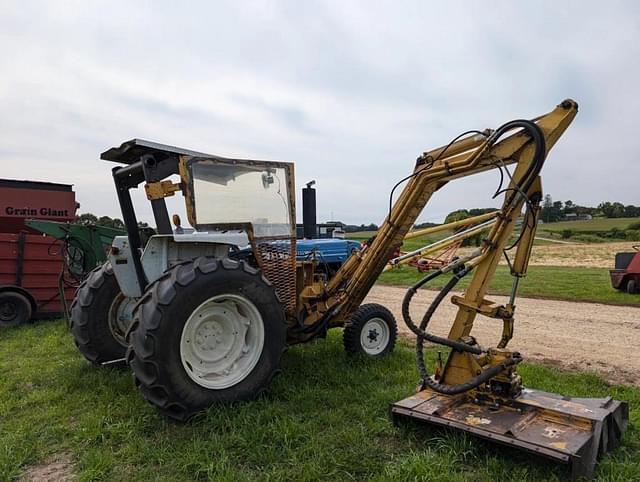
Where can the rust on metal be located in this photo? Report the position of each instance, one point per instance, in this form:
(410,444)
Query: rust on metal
(277,259)
(573,431)
(161,189)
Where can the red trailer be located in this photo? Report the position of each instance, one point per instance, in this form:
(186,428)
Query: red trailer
(30,263)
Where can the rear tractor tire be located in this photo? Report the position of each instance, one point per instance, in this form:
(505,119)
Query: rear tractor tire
(372,331)
(207,331)
(100,317)
(15,309)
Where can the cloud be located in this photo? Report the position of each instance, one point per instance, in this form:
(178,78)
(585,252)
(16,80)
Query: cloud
(352,92)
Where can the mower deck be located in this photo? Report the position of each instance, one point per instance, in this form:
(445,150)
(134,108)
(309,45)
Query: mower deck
(574,431)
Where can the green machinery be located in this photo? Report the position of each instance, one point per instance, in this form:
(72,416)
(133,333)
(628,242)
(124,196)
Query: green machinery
(82,247)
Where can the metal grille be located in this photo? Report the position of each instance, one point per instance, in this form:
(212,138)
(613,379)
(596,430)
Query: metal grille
(277,259)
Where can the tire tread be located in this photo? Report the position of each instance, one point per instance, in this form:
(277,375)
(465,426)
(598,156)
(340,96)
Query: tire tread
(82,308)
(351,335)
(148,316)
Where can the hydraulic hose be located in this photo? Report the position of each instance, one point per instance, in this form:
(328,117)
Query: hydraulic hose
(422,335)
(315,328)
(421,332)
(539,153)
(484,377)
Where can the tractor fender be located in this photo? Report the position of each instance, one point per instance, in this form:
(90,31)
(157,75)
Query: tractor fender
(163,251)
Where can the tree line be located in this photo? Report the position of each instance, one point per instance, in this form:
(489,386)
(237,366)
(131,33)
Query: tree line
(557,210)
(551,211)
(88,219)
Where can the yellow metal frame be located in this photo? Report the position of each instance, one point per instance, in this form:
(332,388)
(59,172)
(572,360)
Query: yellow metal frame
(472,155)
(416,233)
(335,301)
(161,189)
(444,243)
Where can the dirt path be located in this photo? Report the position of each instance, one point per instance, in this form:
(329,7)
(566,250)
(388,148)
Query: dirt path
(556,241)
(586,336)
(597,255)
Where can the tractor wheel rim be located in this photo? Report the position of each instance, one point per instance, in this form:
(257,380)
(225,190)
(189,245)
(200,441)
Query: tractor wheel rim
(120,317)
(222,341)
(8,311)
(374,336)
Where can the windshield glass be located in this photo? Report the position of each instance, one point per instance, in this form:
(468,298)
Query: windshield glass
(227,193)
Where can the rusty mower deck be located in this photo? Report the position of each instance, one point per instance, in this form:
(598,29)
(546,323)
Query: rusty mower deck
(573,431)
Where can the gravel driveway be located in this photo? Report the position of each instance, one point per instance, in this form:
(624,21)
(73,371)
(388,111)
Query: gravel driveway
(585,336)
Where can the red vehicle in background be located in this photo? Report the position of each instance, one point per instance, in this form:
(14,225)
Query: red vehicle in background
(31,263)
(626,275)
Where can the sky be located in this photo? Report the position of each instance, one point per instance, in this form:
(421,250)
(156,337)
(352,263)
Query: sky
(352,92)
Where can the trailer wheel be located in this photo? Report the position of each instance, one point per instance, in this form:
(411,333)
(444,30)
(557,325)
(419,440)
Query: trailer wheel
(632,287)
(100,316)
(207,331)
(372,330)
(14,309)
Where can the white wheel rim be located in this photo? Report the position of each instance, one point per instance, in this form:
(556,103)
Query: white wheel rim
(120,317)
(222,341)
(374,336)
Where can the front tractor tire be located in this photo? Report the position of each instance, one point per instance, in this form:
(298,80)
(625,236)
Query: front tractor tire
(100,315)
(208,331)
(372,331)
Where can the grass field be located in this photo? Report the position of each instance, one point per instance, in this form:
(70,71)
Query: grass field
(552,282)
(361,235)
(409,244)
(592,225)
(325,418)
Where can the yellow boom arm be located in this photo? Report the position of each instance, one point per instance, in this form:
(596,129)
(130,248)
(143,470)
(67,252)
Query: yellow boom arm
(478,389)
(471,155)
(524,144)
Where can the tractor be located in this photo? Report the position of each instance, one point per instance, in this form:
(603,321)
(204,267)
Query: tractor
(204,317)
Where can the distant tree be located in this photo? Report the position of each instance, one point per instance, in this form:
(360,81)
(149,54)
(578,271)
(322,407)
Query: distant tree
(461,214)
(479,211)
(424,225)
(582,210)
(547,207)
(606,208)
(631,211)
(88,219)
(457,216)
(352,228)
(110,223)
(551,210)
(618,210)
(557,211)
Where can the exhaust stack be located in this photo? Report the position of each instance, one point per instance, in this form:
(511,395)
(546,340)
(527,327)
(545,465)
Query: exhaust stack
(310,228)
